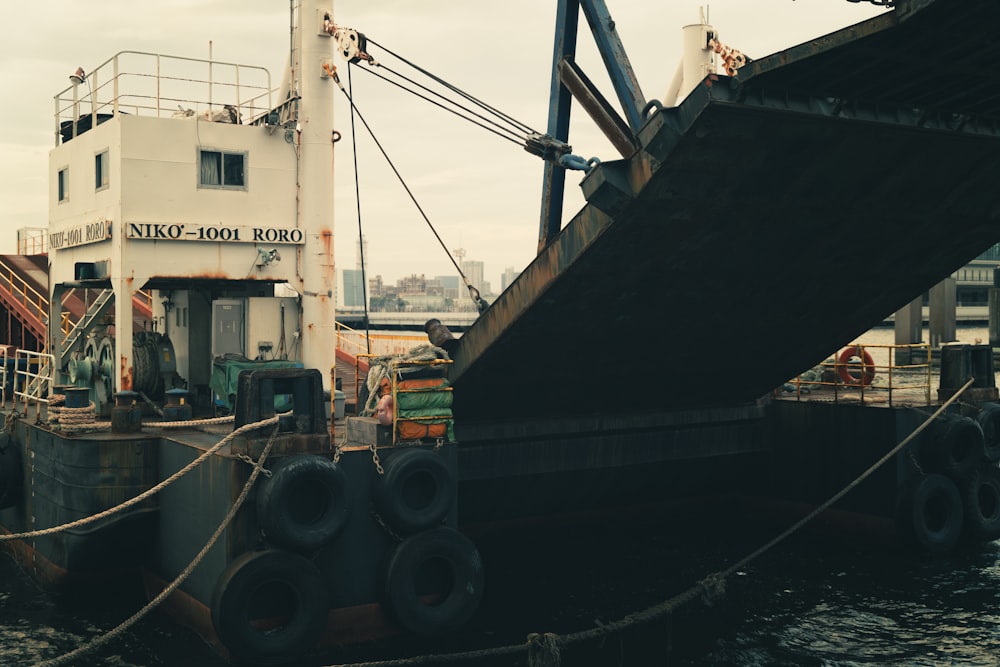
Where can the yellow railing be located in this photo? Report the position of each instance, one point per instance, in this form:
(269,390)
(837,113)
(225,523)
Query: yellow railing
(869,372)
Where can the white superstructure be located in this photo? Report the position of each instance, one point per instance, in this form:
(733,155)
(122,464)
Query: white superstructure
(194,183)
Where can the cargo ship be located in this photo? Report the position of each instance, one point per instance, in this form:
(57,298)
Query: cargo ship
(178,417)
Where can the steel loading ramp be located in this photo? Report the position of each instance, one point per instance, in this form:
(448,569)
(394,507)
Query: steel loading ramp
(765,223)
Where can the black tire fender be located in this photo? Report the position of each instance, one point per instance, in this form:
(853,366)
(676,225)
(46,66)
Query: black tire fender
(932,512)
(954,447)
(260,589)
(989,420)
(432,582)
(305,503)
(981,498)
(417,490)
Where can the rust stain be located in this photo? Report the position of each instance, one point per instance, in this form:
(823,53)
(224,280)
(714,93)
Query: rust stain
(126,375)
(214,275)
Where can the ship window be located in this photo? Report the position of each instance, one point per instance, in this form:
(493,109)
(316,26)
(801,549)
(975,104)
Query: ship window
(222,170)
(101,171)
(63,181)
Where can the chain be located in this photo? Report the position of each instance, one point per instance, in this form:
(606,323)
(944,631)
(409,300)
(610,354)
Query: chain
(10,420)
(338,449)
(380,521)
(376,460)
(249,459)
(438,444)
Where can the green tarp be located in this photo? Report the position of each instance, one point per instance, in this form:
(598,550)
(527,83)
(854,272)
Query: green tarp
(226,372)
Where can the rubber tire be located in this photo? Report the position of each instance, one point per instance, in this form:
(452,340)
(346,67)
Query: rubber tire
(954,447)
(295,482)
(243,580)
(932,513)
(408,473)
(981,496)
(402,567)
(11,474)
(989,420)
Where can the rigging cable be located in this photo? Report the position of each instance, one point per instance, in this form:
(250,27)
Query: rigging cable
(522,126)
(481,304)
(352,48)
(502,132)
(357,198)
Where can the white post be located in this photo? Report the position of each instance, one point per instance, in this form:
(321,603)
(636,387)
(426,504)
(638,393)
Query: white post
(314,141)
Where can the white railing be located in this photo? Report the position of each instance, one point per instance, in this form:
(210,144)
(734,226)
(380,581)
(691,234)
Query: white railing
(32,378)
(6,370)
(151,84)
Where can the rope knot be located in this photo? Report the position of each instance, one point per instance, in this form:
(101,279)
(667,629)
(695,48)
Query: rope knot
(543,650)
(713,589)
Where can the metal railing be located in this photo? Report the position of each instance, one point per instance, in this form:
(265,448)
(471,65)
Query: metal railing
(151,84)
(21,292)
(856,372)
(356,342)
(32,376)
(8,374)
(32,241)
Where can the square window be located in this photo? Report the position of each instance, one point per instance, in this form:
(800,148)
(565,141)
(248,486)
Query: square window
(222,170)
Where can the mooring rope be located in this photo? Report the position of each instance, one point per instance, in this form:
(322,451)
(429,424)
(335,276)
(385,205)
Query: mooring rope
(152,604)
(544,649)
(148,492)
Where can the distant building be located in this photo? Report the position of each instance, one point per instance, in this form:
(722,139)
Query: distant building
(508,276)
(354,293)
(974,280)
(473,270)
(449,286)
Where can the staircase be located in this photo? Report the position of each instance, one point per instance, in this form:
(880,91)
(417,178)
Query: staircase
(96,310)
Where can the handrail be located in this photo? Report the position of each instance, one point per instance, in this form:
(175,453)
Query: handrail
(161,85)
(30,385)
(807,382)
(3,378)
(356,342)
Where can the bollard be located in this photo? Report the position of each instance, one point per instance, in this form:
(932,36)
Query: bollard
(77,397)
(178,408)
(959,363)
(439,335)
(126,416)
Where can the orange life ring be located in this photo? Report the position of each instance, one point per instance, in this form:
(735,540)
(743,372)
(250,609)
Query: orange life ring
(844,366)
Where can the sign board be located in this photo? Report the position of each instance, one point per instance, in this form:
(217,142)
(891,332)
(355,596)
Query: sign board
(91,232)
(180,231)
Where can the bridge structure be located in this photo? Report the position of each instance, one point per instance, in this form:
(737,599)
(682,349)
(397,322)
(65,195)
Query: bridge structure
(826,185)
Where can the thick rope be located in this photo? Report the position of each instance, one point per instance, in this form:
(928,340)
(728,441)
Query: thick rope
(147,493)
(77,420)
(544,649)
(191,422)
(152,604)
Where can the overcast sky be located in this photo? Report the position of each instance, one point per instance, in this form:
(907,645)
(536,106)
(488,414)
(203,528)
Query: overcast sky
(482,193)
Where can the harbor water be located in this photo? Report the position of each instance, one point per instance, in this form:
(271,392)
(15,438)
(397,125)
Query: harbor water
(815,599)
